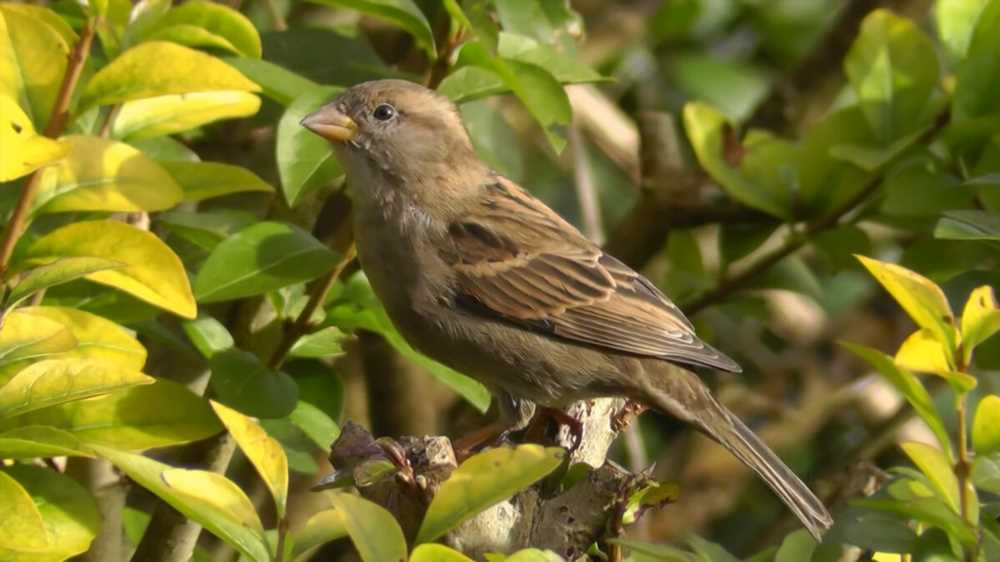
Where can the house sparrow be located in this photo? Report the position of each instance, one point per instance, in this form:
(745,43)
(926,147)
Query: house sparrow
(483,277)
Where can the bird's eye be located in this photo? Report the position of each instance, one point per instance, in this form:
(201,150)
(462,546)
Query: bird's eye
(384,112)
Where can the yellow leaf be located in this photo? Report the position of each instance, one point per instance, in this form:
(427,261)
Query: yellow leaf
(53,381)
(484,480)
(980,320)
(37,441)
(96,337)
(33,58)
(21,527)
(24,337)
(373,530)
(937,469)
(920,297)
(320,529)
(166,115)
(24,150)
(923,353)
(986,425)
(437,553)
(264,453)
(105,175)
(205,497)
(158,68)
(151,271)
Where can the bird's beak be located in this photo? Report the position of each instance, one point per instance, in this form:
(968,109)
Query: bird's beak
(330,124)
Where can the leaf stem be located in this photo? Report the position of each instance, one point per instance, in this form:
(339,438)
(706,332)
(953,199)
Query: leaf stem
(57,123)
(279,555)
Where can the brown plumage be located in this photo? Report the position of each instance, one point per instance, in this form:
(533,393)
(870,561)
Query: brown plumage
(480,275)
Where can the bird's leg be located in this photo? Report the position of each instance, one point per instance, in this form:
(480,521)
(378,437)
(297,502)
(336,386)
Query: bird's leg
(515,415)
(536,430)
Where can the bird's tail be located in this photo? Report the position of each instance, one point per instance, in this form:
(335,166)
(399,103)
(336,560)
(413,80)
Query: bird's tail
(724,427)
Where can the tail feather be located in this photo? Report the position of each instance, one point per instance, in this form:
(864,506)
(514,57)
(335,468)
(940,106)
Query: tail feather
(724,427)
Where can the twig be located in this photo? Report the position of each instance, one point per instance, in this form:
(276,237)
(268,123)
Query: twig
(731,284)
(586,194)
(109,120)
(60,113)
(303,324)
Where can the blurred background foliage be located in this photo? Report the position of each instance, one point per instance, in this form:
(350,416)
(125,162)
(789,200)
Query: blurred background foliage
(739,152)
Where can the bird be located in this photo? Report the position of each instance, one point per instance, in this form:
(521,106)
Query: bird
(480,275)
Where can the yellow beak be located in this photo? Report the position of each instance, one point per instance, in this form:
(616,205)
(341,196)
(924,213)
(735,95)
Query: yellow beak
(330,124)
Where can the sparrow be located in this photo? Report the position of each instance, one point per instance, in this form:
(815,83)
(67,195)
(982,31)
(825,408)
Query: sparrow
(480,275)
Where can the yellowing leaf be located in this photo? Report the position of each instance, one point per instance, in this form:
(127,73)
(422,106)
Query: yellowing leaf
(33,58)
(166,115)
(484,480)
(937,469)
(373,530)
(105,175)
(205,497)
(55,273)
(24,150)
(54,381)
(923,353)
(24,337)
(158,68)
(437,553)
(264,453)
(986,425)
(36,441)
(21,527)
(920,297)
(152,272)
(320,529)
(199,23)
(980,319)
(96,337)
(204,180)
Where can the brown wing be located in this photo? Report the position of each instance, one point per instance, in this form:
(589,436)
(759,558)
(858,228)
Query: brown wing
(517,260)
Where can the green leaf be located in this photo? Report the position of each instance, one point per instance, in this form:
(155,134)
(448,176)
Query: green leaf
(968,225)
(986,473)
(240,380)
(96,337)
(437,553)
(979,72)
(932,511)
(470,83)
(22,527)
(277,82)
(38,441)
(175,113)
(204,180)
(654,552)
(263,452)
(920,297)
(261,258)
(938,470)
(204,228)
(142,417)
(797,547)
(68,511)
(33,57)
(207,498)
(955,22)
(159,68)
(373,530)
(53,381)
(980,319)
(24,337)
(709,551)
(104,175)
(208,335)
(712,139)
(986,425)
(152,272)
(564,67)
(305,161)
(402,13)
(24,149)
(321,528)
(56,273)
(199,23)
(909,386)
(893,69)
(315,423)
(735,86)
(484,480)
(323,343)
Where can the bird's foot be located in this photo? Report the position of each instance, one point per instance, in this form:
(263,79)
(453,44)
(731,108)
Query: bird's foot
(536,430)
(491,435)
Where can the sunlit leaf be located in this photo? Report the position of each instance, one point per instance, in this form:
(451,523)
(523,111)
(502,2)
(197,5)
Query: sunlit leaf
(152,272)
(37,441)
(938,470)
(96,337)
(30,42)
(923,353)
(979,72)
(403,13)
(56,273)
(955,22)
(54,381)
(24,150)
(105,175)
(437,553)
(176,113)
(484,480)
(205,497)
(373,530)
(321,528)
(22,527)
(263,452)
(323,343)
(980,319)
(204,180)
(159,68)
(199,23)
(24,337)
(986,425)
